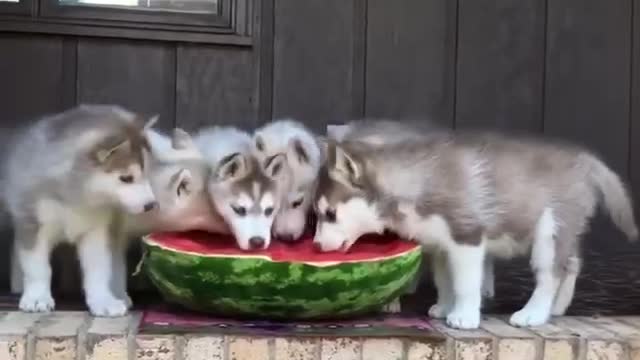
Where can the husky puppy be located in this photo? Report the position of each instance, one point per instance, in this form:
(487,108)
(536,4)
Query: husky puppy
(304,158)
(388,132)
(468,196)
(247,193)
(178,176)
(66,178)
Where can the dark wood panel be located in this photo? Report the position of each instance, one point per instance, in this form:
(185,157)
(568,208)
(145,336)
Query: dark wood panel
(587,75)
(313,60)
(264,58)
(634,158)
(587,99)
(31,69)
(137,75)
(410,59)
(215,85)
(500,64)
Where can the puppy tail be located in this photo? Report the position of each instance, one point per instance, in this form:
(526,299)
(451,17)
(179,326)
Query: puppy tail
(615,197)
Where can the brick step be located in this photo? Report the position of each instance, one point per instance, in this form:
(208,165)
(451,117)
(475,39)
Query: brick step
(77,336)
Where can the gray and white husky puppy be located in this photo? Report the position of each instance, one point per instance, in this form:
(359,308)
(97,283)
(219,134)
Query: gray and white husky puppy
(67,177)
(304,157)
(469,195)
(388,132)
(246,192)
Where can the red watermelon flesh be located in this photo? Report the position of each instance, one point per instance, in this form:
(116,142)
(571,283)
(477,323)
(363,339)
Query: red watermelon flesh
(368,248)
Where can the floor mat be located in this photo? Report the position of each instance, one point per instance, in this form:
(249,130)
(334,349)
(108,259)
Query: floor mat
(176,321)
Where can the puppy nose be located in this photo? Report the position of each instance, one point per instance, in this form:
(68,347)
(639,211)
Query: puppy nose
(317,246)
(150,206)
(256,242)
(287,238)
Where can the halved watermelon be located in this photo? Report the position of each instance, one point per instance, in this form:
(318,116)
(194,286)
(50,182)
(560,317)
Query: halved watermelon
(207,272)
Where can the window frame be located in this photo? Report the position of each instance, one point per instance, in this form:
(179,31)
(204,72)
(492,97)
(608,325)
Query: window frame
(22,7)
(231,25)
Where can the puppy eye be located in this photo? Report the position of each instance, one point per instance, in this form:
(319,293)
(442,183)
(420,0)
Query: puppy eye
(240,210)
(297,203)
(182,188)
(330,215)
(127,179)
(268,211)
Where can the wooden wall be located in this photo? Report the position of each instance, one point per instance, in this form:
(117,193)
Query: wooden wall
(565,68)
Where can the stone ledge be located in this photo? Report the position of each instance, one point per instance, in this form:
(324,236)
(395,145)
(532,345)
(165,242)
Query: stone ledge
(75,335)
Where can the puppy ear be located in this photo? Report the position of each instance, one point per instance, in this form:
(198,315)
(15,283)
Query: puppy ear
(182,182)
(258,144)
(181,140)
(231,167)
(297,151)
(151,122)
(103,155)
(343,165)
(275,166)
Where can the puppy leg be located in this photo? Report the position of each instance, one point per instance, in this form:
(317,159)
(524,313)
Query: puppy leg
(567,287)
(96,259)
(488,281)
(119,268)
(538,309)
(33,249)
(442,281)
(466,264)
(17,278)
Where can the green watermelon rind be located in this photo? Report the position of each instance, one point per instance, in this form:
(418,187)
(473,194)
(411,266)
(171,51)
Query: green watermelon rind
(255,286)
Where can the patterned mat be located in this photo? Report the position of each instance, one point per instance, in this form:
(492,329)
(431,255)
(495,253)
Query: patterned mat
(166,320)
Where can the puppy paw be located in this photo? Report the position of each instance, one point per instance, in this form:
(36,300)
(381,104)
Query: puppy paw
(393,307)
(438,311)
(529,317)
(128,301)
(32,301)
(107,306)
(464,319)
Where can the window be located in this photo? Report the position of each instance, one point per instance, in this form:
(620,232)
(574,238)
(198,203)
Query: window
(215,21)
(186,6)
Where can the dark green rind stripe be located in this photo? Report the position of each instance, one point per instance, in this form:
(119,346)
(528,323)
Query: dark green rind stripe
(258,287)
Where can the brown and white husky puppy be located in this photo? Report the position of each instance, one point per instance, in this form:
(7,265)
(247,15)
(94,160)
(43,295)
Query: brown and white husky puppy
(469,195)
(246,192)
(67,177)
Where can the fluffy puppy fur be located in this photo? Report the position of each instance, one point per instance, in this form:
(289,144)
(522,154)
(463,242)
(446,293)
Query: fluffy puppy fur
(245,191)
(67,177)
(468,195)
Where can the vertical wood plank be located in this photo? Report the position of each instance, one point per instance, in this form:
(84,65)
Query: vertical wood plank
(135,74)
(215,85)
(313,60)
(634,118)
(500,66)
(31,69)
(264,58)
(410,59)
(587,100)
(587,75)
